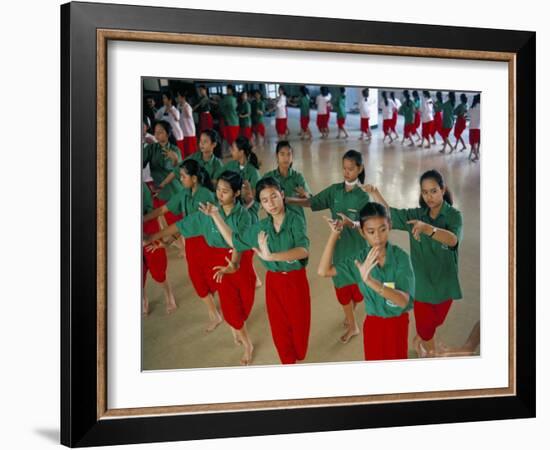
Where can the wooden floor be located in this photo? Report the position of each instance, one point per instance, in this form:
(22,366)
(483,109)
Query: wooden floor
(178,341)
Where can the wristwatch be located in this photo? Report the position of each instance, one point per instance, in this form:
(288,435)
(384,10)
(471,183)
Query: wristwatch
(434,229)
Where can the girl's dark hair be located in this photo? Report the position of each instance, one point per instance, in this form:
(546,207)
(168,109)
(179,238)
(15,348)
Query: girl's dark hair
(243,144)
(438,178)
(202,86)
(324,91)
(215,139)
(304,90)
(281,145)
(385,98)
(182,93)
(426,94)
(452,97)
(476,100)
(193,168)
(234,180)
(168,95)
(282,89)
(372,209)
(168,128)
(365,92)
(342,90)
(415,95)
(267,182)
(407,96)
(392,95)
(463,98)
(230,86)
(357,158)
(439,96)
(257,91)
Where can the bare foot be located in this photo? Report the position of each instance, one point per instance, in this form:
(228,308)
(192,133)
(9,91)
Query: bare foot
(145,310)
(247,355)
(349,334)
(236,338)
(215,320)
(259,283)
(171,307)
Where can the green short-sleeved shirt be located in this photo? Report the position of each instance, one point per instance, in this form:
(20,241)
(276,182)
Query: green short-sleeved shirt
(460,110)
(211,166)
(417,104)
(304,104)
(185,202)
(448,114)
(244,108)
(435,264)
(291,235)
(160,168)
(199,224)
(407,111)
(203,105)
(293,180)
(438,106)
(257,107)
(396,273)
(228,106)
(341,107)
(349,203)
(146,199)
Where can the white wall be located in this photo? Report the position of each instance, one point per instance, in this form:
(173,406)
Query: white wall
(30,315)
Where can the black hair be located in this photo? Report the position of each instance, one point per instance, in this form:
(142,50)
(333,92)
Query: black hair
(215,139)
(438,178)
(282,89)
(281,145)
(193,168)
(439,96)
(452,97)
(243,144)
(257,91)
(407,96)
(357,158)
(324,91)
(476,100)
(463,98)
(230,86)
(415,95)
(168,128)
(373,209)
(342,90)
(202,86)
(241,94)
(392,95)
(234,180)
(426,94)
(385,97)
(182,93)
(267,182)
(365,93)
(169,96)
(304,90)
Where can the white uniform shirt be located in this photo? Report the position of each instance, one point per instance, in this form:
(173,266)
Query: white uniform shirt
(427,110)
(280,107)
(173,119)
(187,123)
(387,111)
(364,107)
(475,117)
(322,103)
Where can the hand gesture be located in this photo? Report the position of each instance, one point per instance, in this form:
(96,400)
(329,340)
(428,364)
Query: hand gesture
(246,192)
(153,246)
(301,192)
(208,208)
(171,155)
(346,221)
(370,189)
(220,271)
(155,190)
(418,228)
(263,251)
(370,262)
(336,226)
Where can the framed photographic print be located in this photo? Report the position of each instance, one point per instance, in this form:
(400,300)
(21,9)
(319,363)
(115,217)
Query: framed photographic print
(279,224)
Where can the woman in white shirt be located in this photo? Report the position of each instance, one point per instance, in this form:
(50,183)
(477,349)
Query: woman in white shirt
(323,111)
(427,116)
(281,118)
(187,124)
(364,112)
(388,108)
(170,114)
(395,114)
(475,127)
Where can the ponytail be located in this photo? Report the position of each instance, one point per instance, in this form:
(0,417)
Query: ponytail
(243,144)
(438,178)
(193,168)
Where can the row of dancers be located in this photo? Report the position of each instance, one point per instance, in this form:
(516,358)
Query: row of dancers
(215,209)
(424,117)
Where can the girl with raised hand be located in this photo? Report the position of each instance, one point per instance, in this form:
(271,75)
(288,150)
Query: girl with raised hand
(280,241)
(385,277)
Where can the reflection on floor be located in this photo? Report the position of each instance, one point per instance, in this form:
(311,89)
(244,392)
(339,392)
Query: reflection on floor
(179,340)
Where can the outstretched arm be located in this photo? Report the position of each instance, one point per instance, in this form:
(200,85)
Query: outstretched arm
(326,268)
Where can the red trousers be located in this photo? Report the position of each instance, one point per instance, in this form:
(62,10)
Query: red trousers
(289,312)
(259,128)
(304,123)
(231,133)
(246,132)
(281,126)
(387,126)
(427,128)
(475,136)
(181,146)
(346,294)
(169,216)
(364,124)
(189,145)
(417,119)
(429,316)
(438,123)
(205,122)
(236,290)
(386,337)
(199,266)
(155,261)
(460,126)
(322,121)
(394,121)
(341,122)
(409,130)
(445,132)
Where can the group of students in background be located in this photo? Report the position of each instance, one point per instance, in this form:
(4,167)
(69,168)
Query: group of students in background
(243,114)
(222,215)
